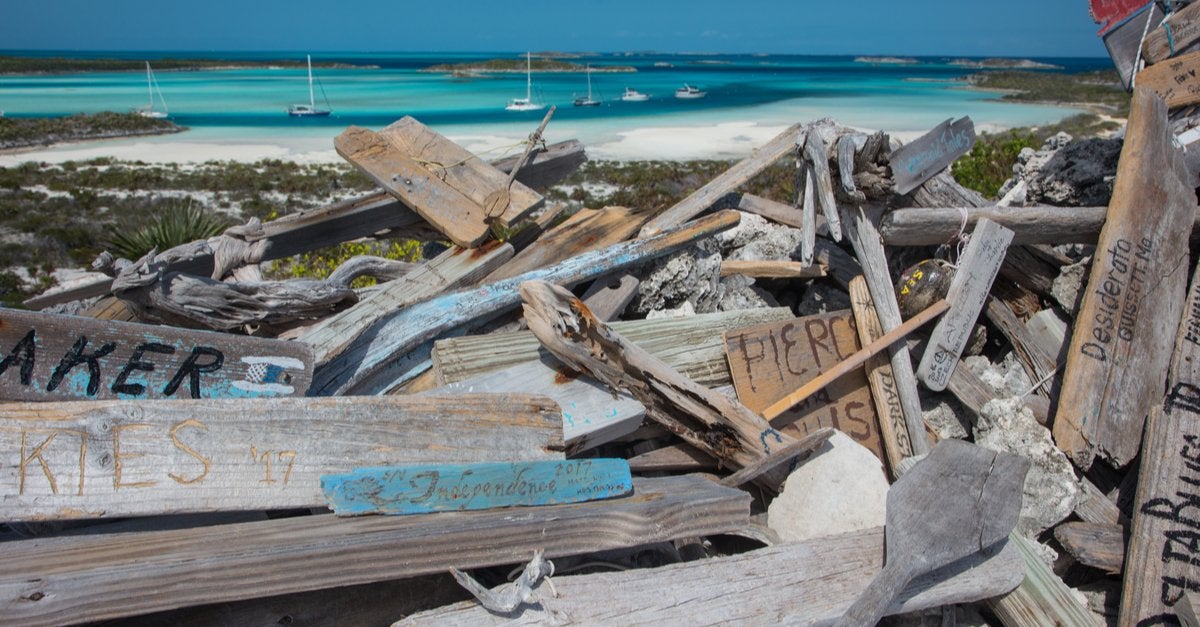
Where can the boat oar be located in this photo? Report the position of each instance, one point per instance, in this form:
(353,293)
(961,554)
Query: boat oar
(497,202)
(958,501)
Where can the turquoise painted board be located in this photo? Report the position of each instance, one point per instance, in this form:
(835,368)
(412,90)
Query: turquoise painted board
(456,487)
(52,357)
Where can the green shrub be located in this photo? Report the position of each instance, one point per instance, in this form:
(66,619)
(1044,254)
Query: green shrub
(319,264)
(172,227)
(990,162)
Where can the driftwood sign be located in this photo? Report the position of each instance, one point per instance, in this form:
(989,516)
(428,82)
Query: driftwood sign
(1109,13)
(977,270)
(1124,40)
(768,361)
(123,458)
(1176,80)
(1177,33)
(1124,331)
(460,487)
(1164,543)
(917,161)
(47,357)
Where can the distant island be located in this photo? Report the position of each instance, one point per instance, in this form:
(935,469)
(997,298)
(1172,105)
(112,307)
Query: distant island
(887,60)
(26,132)
(1099,91)
(65,65)
(496,66)
(1003,64)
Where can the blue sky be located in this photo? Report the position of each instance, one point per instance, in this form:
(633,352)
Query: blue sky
(1023,28)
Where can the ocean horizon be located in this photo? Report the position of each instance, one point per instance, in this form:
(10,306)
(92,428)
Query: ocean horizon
(240,114)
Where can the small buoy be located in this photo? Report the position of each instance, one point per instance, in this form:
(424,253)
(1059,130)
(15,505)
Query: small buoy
(923,284)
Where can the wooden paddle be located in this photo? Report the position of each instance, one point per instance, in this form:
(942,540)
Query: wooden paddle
(958,501)
(497,201)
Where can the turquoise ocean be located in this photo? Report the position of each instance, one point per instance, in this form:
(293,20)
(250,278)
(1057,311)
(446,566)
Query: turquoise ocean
(745,94)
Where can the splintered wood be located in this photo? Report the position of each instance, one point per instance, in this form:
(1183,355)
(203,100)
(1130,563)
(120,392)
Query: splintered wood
(1124,329)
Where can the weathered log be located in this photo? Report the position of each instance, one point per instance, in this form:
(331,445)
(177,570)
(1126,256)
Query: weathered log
(1096,545)
(924,226)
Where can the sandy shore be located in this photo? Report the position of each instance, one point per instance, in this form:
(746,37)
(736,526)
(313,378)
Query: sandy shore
(729,140)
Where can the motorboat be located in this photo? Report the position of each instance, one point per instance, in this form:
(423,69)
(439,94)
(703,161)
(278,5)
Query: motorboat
(687,92)
(633,95)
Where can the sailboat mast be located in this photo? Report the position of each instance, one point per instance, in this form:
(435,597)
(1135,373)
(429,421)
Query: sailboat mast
(528,78)
(150,84)
(312,102)
(589,75)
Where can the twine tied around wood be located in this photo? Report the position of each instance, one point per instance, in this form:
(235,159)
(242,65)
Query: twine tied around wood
(959,241)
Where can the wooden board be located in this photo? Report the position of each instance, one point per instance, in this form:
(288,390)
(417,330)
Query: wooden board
(124,458)
(587,229)
(1042,598)
(457,216)
(1122,337)
(86,579)
(422,489)
(1097,545)
(893,432)
(1180,31)
(771,269)
(804,583)
(363,368)
(460,169)
(969,289)
(47,357)
(1176,80)
(917,161)
(927,226)
(1124,40)
(1163,559)
(771,360)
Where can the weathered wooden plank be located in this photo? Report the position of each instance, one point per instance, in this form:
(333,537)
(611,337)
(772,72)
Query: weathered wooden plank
(818,160)
(808,215)
(790,453)
(1162,557)
(805,583)
(768,361)
(84,579)
(928,226)
(1174,80)
(457,216)
(692,345)
(453,268)
(587,230)
(607,297)
(460,169)
(363,367)
(863,232)
(781,213)
(122,458)
(968,290)
(1097,545)
(1177,33)
(422,489)
(892,430)
(1038,364)
(716,189)
(1042,598)
(1122,339)
(771,269)
(917,161)
(54,357)
(591,413)
(681,457)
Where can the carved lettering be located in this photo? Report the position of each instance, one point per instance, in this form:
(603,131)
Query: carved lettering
(119,458)
(205,462)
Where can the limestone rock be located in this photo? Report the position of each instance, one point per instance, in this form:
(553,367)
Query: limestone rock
(1067,288)
(945,416)
(1051,490)
(1006,378)
(814,500)
(820,298)
(1080,174)
(691,275)
(739,292)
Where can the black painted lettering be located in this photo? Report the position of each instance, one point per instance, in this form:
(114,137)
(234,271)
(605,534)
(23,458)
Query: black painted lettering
(193,367)
(1184,396)
(23,355)
(76,356)
(120,386)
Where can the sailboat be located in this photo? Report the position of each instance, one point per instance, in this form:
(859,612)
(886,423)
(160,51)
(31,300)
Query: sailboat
(526,103)
(149,111)
(309,110)
(588,101)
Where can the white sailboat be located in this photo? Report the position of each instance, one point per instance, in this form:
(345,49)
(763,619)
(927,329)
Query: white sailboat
(310,109)
(526,103)
(588,101)
(149,111)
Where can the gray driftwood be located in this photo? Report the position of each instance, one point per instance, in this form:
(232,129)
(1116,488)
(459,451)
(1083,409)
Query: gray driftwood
(122,458)
(805,583)
(916,162)
(892,428)
(1100,546)
(1121,343)
(85,579)
(921,226)
(1042,598)
(364,366)
(708,420)
(958,501)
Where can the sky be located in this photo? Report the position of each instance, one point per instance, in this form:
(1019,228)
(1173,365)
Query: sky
(1014,28)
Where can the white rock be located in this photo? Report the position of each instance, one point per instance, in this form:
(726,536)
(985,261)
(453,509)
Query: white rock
(840,489)
(1051,490)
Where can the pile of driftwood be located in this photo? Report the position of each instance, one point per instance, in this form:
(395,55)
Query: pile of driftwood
(497,444)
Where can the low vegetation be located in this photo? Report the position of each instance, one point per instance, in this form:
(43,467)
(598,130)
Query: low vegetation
(1101,90)
(518,65)
(63,65)
(22,132)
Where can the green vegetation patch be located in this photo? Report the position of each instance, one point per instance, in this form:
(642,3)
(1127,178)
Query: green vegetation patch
(63,65)
(518,65)
(22,132)
(1100,88)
